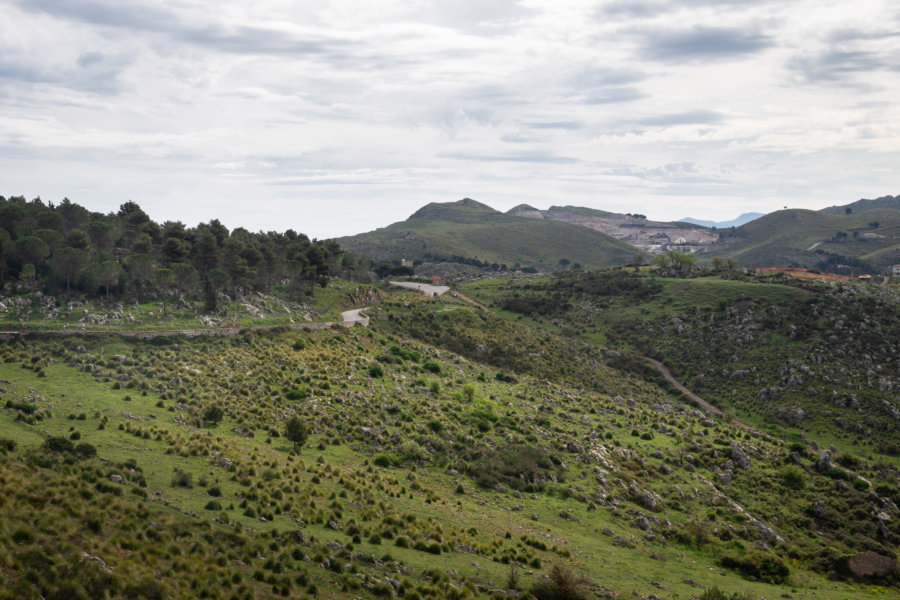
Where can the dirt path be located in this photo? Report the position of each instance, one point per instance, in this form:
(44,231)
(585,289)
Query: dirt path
(350,318)
(680,387)
(465,298)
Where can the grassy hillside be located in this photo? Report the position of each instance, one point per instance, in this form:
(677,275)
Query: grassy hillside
(866,241)
(884,202)
(161,470)
(472,230)
(787,356)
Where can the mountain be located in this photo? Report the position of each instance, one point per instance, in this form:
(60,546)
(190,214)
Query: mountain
(635,229)
(885,202)
(856,242)
(741,220)
(472,230)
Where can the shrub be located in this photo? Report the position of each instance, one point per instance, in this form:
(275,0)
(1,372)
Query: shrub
(519,466)
(793,477)
(505,378)
(22,536)
(297,394)
(213,505)
(860,484)
(7,445)
(85,450)
(376,371)
(560,584)
(758,565)
(432,366)
(58,444)
(382,460)
(213,414)
(295,431)
(837,473)
(713,593)
(183,479)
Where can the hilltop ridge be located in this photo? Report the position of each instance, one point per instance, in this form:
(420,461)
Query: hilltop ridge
(467,230)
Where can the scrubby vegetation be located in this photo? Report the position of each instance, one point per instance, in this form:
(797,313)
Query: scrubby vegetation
(441,452)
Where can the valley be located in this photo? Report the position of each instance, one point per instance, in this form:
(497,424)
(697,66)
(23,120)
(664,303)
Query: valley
(644,431)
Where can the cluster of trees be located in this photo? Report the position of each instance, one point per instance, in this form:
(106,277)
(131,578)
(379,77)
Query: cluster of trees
(465,260)
(675,261)
(64,247)
(842,265)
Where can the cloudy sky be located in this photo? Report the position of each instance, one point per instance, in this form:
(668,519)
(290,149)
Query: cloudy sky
(335,117)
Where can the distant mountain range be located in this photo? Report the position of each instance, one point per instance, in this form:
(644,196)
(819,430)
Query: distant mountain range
(861,237)
(741,220)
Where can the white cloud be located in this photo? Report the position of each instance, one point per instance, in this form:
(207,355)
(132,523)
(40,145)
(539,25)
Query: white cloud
(260,113)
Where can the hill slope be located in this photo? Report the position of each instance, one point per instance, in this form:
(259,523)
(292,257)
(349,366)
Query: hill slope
(634,229)
(473,230)
(889,202)
(865,242)
(424,475)
(811,355)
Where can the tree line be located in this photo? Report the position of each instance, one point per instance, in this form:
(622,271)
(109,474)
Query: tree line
(65,249)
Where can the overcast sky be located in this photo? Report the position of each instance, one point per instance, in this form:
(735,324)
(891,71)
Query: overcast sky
(335,117)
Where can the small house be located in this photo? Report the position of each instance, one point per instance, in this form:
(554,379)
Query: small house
(895,270)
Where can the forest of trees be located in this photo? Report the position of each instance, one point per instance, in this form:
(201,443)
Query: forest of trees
(64,249)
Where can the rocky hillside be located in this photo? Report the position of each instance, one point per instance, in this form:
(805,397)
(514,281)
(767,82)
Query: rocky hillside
(816,358)
(637,230)
(846,243)
(415,458)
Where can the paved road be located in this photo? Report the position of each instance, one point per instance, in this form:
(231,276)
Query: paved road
(425,288)
(352,317)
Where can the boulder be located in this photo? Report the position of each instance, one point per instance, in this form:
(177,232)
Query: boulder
(824,462)
(868,564)
(739,457)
